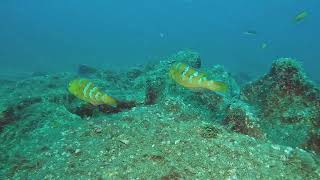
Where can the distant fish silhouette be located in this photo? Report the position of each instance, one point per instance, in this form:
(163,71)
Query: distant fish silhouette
(301,16)
(250,32)
(264,45)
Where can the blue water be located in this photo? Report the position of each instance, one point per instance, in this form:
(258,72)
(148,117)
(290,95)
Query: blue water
(58,35)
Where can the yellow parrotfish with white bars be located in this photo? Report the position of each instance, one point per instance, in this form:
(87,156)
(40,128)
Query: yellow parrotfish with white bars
(193,79)
(86,91)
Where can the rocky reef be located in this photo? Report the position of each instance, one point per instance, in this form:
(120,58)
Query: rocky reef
(288,105)
(267,129)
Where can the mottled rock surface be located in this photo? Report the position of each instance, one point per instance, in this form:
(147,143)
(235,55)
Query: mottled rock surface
(266,130)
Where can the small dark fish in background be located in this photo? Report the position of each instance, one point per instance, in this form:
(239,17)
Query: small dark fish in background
(301,16)
(250,32)
(264,45)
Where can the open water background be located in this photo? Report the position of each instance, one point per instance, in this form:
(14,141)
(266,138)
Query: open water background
(58,35)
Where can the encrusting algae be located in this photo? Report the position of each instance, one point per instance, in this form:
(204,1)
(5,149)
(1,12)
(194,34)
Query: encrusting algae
(86,91)
(193,79)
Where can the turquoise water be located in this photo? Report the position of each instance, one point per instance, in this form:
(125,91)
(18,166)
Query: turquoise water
(56,36)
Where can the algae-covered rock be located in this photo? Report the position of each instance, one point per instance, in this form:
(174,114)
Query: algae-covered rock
(242,119)
(287,102)
(188,57)
(86,70)
(134,73)
(313,143)
(154,90)
(16,112)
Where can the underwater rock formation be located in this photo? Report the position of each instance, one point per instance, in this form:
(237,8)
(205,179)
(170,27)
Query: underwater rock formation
(86,70)
(161,130)
(188,57)
(242,119)
(16,112)
(134,73)
(288,104)
(154,90)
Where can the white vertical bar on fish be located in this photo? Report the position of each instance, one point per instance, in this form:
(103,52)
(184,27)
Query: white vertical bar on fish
(97,96)
(190,78)
(92,91)
(85,93)
(185,71)
(196,74)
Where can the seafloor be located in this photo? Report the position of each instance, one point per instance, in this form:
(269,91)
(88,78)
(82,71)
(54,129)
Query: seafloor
(265,128)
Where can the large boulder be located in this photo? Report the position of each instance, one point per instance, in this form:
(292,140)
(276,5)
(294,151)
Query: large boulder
(288,104)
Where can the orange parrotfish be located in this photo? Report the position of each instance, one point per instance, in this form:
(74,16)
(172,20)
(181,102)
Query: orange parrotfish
(86,91)
(193,79)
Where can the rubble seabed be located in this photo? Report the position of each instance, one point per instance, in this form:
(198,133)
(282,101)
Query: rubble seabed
(265,129)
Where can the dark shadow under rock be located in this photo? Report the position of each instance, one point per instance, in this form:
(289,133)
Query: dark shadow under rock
(88,110)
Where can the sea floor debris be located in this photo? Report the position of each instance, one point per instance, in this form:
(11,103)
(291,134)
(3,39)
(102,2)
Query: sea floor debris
(265,129)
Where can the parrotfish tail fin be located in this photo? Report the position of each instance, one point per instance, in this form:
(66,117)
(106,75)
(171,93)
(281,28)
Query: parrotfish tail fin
(110,101)
(219,87)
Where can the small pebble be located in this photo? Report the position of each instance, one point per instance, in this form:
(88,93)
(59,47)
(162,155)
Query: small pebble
(77,152)
(98,130)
